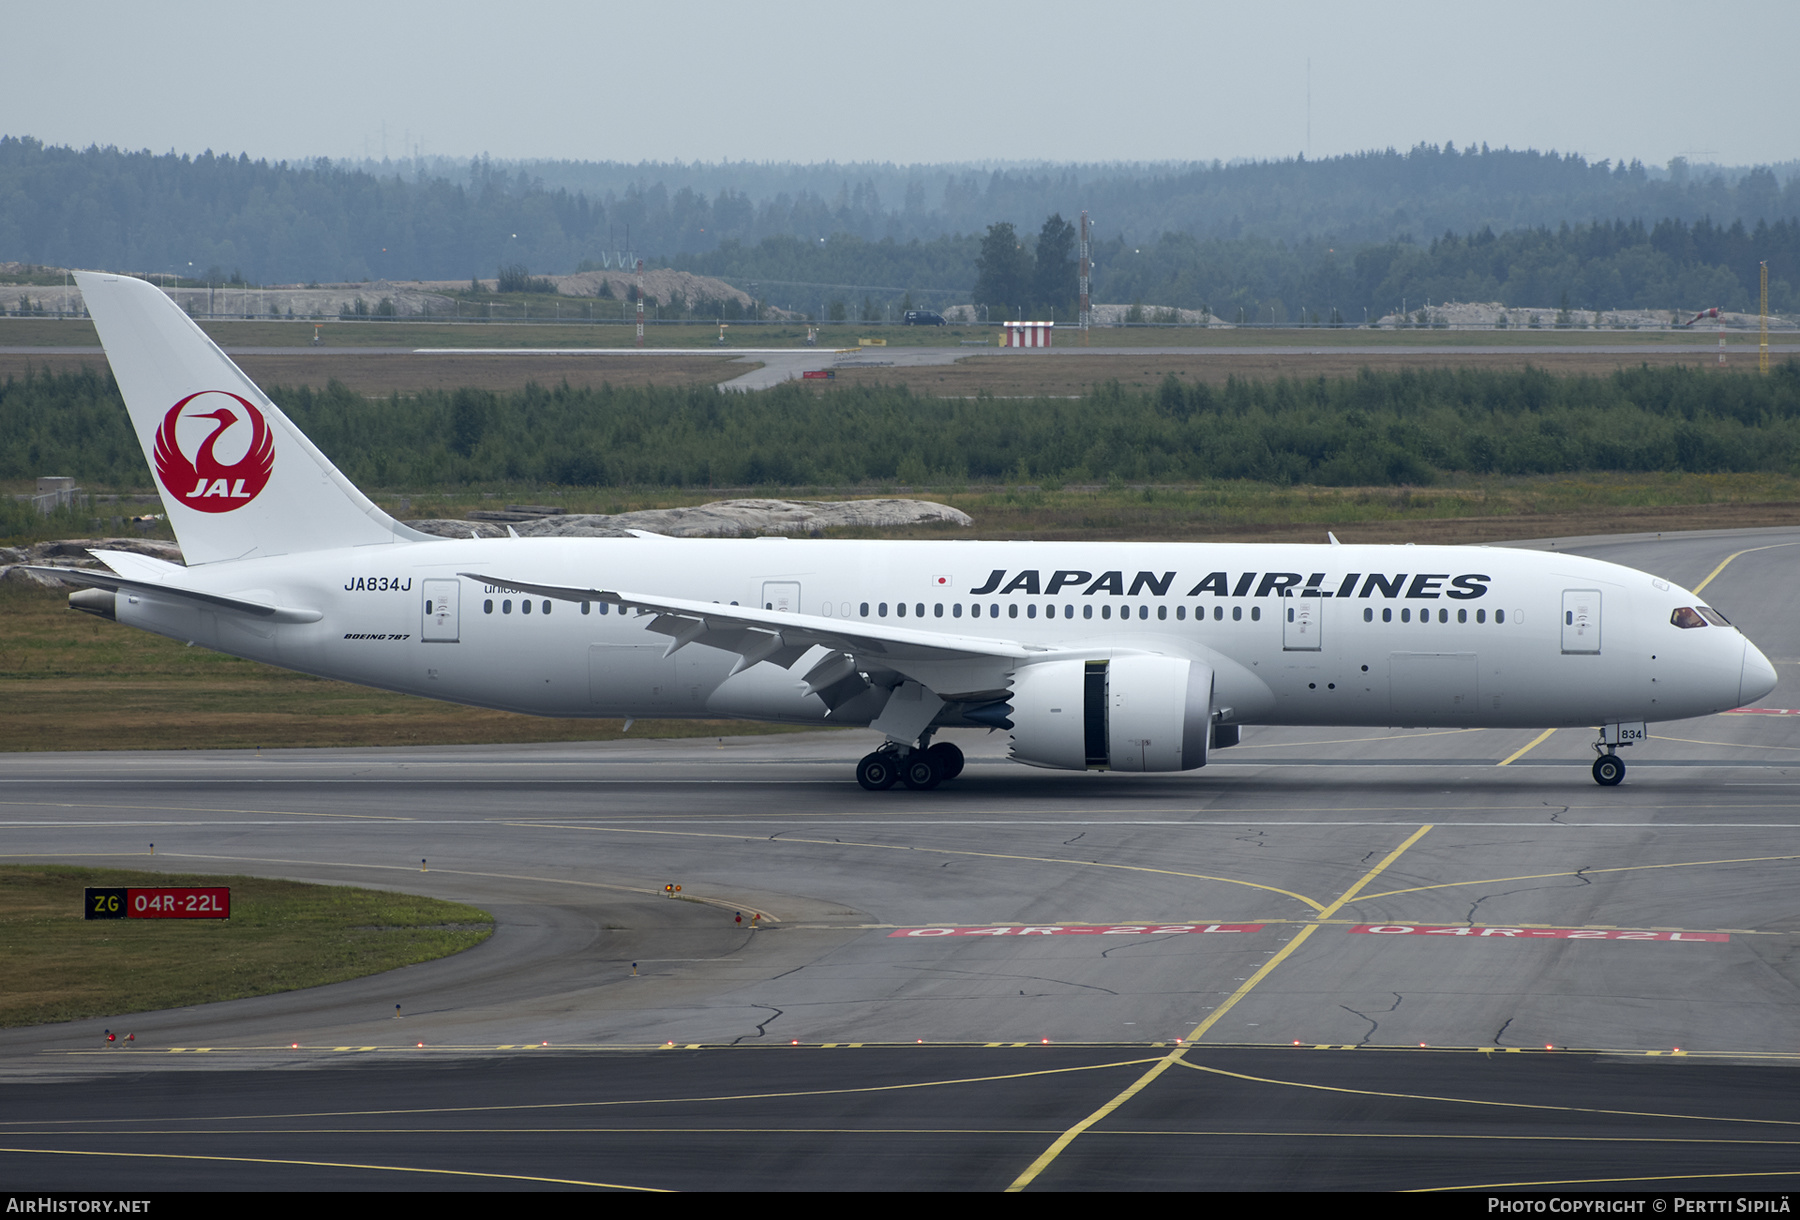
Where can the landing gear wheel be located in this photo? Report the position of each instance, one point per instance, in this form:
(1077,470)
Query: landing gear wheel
(949,759)
(877,772)
(920,771)
(1609,769)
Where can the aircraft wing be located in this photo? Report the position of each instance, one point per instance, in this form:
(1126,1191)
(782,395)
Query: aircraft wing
(951,665)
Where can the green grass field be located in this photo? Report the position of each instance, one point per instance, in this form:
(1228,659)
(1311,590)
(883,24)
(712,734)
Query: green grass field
(1233,509)
(282,936)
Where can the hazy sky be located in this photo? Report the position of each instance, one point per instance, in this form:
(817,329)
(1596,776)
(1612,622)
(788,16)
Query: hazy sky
(917,80)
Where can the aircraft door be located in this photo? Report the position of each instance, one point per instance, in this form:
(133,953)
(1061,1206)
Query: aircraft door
(1301,621)
(442,599)
(783,595)
(1581,621)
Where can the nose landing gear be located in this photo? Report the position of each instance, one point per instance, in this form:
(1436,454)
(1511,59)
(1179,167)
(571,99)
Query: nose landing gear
(1609,768)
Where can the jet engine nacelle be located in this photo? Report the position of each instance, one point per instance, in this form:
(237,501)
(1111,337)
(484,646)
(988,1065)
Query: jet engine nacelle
(1126,713)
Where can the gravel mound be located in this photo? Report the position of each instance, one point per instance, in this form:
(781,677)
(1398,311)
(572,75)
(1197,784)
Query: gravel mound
(720,519)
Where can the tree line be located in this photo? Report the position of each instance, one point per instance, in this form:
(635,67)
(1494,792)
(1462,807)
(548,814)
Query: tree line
(1397,428)
(294,222)
(1608,265)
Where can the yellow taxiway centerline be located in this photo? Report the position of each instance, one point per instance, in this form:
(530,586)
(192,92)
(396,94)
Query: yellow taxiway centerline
(1175,1056)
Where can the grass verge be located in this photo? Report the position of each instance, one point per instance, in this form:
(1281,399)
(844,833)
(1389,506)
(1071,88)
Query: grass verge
(282,936)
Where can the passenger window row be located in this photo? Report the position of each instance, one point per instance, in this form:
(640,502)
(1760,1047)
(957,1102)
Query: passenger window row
(506,606)
(917,610)
(1443,616)
(1681,618)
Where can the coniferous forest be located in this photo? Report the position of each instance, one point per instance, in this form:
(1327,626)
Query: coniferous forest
(1359,235)
(1371,429)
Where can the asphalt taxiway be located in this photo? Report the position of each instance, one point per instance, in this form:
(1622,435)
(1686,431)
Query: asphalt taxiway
(1386,959)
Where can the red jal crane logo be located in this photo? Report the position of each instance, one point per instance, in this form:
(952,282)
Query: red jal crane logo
(217,487)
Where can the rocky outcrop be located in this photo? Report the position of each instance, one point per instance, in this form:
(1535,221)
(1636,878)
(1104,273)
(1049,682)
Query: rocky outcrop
(720,519)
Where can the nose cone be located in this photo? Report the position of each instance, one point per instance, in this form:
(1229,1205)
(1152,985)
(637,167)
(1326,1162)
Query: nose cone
(1758,678)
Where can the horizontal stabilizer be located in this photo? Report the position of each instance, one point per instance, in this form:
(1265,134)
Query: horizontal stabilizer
(95,579)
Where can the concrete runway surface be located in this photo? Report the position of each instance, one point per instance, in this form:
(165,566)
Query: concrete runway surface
(1333,959)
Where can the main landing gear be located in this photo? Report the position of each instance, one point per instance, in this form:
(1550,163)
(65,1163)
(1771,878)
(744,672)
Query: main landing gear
(920,770)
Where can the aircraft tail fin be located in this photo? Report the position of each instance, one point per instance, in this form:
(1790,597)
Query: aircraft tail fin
(237,478)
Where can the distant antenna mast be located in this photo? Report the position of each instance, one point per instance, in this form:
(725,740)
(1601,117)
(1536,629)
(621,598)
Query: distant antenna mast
(640,338)
(1087,317)
(1762,357)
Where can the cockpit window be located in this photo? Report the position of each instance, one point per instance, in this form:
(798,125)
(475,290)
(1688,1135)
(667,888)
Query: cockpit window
(1713,616)
(1687,617)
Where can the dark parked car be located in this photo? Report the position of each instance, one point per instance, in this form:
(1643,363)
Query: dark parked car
(923,317)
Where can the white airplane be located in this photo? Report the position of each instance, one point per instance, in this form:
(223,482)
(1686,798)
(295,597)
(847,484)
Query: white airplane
(1122,656)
